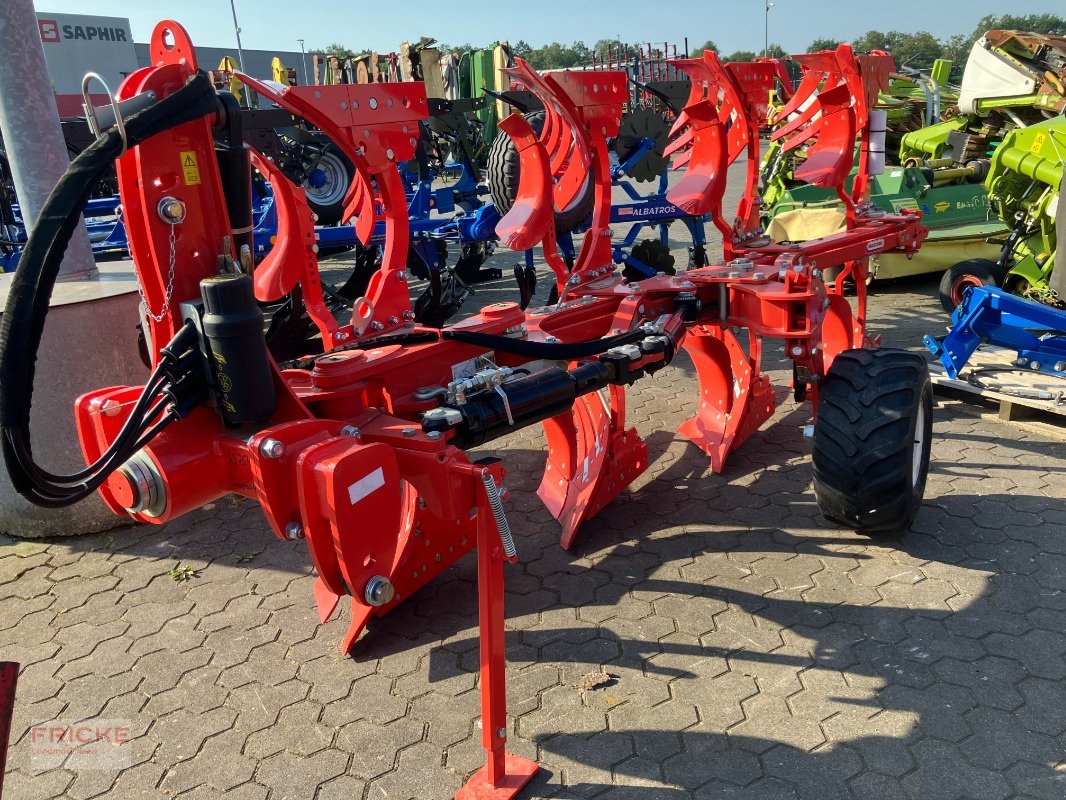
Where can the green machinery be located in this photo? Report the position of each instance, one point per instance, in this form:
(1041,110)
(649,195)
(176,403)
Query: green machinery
(1012,80)
(1025,185)
(481,70)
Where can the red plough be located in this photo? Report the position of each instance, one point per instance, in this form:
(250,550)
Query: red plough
(361,451)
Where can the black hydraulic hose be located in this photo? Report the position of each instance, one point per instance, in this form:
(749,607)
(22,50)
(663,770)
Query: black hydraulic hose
(102,468)
(31,288)
(129,431)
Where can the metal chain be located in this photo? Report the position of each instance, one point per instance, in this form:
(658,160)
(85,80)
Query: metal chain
(170,283)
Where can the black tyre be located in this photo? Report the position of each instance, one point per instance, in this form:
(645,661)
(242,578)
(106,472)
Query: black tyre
(971,272)
(871,440)
(328,183)
(502,175)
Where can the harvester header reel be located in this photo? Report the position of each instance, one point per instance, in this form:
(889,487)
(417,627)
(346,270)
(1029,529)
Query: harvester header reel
(360,451)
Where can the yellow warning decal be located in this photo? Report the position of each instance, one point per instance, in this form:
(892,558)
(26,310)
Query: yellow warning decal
(189,168)
(1038,144)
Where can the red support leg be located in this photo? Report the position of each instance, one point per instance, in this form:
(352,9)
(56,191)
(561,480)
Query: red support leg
(504,774)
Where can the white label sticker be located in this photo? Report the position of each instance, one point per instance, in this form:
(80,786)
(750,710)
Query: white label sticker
(366,485)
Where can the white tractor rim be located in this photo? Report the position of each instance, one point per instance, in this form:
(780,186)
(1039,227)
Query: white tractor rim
(919,445)
(334,185)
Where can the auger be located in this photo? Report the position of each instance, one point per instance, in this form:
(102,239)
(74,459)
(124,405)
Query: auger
(360,451)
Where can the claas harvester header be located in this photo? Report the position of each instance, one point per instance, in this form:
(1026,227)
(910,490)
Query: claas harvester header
(360,450)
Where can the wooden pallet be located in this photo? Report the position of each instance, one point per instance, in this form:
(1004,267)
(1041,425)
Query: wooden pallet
(1011,406)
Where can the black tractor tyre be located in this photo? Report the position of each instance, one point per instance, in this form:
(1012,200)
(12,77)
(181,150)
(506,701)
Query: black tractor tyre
(872,438)
(971,272)
(503,171)
(327,200)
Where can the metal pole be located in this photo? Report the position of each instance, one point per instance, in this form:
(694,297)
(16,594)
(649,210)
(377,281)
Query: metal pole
(237,30)
(29,123)
(766,30)
(303,53)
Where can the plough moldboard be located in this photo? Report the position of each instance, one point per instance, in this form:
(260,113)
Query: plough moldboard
(360,451)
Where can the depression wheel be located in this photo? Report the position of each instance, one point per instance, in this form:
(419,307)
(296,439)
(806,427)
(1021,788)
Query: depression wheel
(871,440)
(972,272)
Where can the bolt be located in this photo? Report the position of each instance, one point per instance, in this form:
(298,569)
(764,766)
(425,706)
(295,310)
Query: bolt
(734,275)
(816,273)
(171,210)
(394,320)
(551,340)
(808,431)
(1060,366)
(349,430)
(294,531)
(340,336)
(271,448)
(501,733)
(798,268)
(111,408)
(797,350)
(408,432)
(376,326)
(640,310)
(758,275)
(379,591)
(401,275)
(573,280)
(781,273)
(434,435)
(408,315)
(1034,364)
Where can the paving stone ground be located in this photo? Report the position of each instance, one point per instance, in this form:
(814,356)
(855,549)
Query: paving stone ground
(756,651)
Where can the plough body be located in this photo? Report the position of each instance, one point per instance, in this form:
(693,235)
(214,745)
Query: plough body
(360,451)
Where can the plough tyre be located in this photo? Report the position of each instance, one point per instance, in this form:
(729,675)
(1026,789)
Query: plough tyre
(871,440)
(971,272)
(503,174)
(328,183)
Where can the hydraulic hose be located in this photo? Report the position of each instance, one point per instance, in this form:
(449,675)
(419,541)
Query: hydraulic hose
(31,291)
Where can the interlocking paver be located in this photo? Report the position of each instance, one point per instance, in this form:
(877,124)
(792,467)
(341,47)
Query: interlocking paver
(758,651)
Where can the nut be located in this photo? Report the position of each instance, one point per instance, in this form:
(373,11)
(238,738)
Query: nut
(271,448)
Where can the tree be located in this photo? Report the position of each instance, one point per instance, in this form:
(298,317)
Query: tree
(875,40)
(742,55)
(775,51)
(522,49)
(822,44)
(1037,23)
(708,45)
(612,50)
(336,49)
(917,50)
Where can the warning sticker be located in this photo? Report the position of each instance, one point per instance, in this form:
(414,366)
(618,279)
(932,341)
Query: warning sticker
(190,170)
(1038,144)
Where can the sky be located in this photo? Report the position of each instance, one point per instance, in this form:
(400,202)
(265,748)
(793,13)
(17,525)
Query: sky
(358,24)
